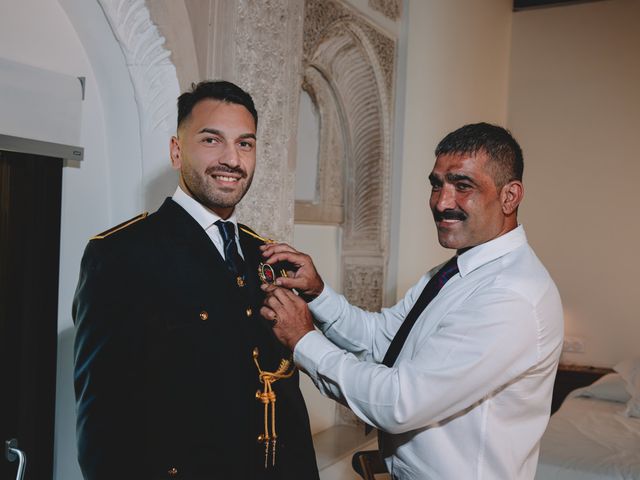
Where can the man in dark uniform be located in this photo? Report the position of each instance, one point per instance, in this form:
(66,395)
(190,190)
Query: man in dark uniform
(176,373)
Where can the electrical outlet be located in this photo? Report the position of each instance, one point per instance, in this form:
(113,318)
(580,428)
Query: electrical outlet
(573,345)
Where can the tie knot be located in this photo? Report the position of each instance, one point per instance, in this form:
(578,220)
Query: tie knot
(227,230)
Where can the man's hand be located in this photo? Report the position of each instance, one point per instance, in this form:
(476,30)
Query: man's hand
(289,313)
(304,278)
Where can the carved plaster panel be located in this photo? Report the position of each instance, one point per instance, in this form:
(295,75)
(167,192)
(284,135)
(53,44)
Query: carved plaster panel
(363,286)
(321,14)
(267,63)
(389,8)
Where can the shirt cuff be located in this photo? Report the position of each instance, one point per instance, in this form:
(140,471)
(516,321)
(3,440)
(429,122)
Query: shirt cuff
(310,350)
(316,305)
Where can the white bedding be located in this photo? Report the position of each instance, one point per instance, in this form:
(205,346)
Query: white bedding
(589,439)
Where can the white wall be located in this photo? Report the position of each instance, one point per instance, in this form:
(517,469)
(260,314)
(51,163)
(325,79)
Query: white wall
(457,73)
(322,242)
(574,104)
(45,34)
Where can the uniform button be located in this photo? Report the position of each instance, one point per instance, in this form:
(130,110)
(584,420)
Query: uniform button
(173,471)
(204,315)
(249,312)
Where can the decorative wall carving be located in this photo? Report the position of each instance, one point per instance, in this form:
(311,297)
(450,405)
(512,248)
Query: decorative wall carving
(389,8)
(348,73)
(173,20)
(267,63)
(363,284)
(320,15)
(153,75)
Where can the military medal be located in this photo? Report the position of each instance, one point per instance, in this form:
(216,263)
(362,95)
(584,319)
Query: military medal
(266,273)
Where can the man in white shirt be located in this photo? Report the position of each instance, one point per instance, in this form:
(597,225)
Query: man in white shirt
(464,393)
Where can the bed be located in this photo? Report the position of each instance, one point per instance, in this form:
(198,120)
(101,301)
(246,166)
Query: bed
(595,435)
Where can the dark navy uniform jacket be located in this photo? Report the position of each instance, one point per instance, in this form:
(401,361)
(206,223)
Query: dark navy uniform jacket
(164,375)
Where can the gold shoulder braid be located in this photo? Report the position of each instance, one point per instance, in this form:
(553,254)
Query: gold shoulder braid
(253,234)
(121,226)
(268,397)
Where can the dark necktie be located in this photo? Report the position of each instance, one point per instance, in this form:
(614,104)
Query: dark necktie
(429,293)
(232,258)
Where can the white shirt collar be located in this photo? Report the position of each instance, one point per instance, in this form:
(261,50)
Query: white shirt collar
(205,217)
(488,251)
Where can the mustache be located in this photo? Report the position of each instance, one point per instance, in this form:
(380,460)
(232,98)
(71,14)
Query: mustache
(222,169)
(449,214)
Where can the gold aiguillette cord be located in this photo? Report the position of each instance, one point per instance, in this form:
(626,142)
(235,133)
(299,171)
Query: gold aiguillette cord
(268,398)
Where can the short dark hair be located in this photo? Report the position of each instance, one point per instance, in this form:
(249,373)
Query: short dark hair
(497,142)
(217,90)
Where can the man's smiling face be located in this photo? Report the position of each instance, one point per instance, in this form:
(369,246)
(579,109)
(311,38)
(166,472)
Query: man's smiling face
(465,202)
(215,152)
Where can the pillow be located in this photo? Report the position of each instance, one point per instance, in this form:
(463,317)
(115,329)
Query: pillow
(609,387)
(633,408)
(629,370)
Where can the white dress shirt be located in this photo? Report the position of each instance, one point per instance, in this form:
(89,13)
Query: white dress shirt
(207,219)
(470,393)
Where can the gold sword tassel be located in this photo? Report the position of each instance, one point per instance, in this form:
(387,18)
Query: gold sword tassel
(268,398)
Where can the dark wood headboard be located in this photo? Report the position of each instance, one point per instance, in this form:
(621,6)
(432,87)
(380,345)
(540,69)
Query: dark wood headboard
(570,377)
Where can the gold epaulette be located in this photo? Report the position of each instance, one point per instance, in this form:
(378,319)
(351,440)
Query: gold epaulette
(121,226)
(253,234)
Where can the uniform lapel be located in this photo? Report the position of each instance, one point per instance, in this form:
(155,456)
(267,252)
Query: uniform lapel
(186,235)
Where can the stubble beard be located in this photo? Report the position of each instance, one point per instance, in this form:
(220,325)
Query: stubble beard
(210,196)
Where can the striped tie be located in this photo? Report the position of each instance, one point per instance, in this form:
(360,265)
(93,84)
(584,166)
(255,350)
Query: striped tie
(232,259)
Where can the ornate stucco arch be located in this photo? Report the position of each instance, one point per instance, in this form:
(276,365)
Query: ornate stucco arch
(348,66)
(155,85)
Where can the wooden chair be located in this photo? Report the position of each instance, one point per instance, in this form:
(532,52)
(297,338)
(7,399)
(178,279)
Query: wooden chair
(368,463)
